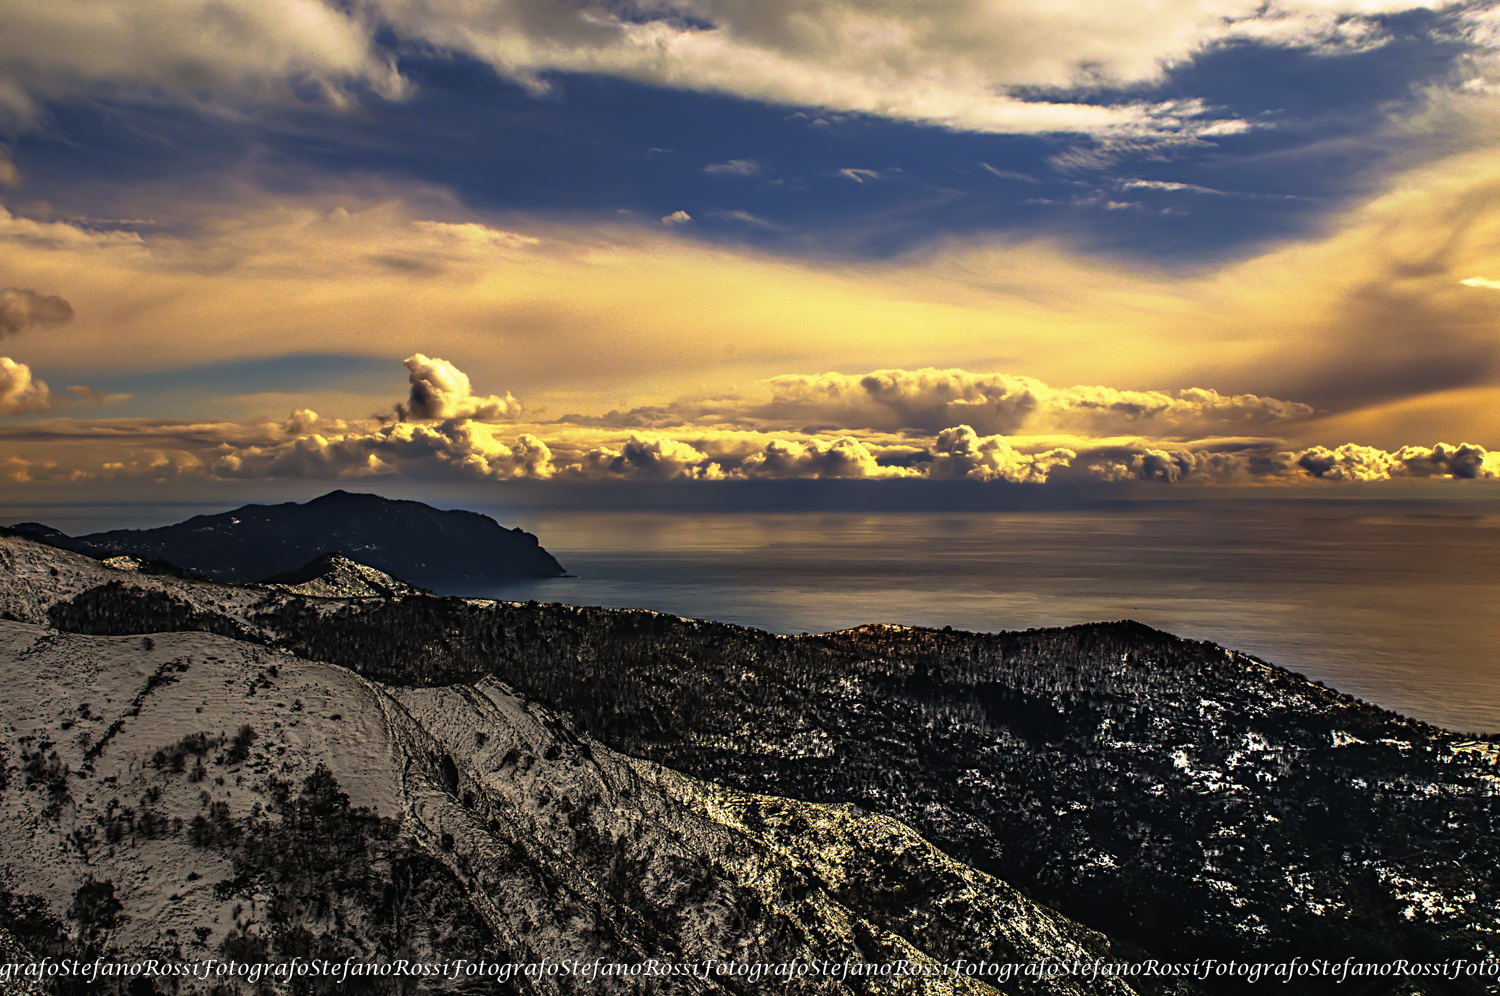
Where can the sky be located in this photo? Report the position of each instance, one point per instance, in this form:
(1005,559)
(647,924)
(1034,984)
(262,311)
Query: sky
(1184,247)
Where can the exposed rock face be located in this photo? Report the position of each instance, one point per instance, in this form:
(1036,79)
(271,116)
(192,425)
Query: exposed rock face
(334,575)
(1186,800)
(406,539)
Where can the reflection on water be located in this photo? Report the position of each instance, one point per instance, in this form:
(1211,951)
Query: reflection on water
(1394,603)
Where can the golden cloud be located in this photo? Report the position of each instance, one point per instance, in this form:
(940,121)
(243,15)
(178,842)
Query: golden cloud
(453,441)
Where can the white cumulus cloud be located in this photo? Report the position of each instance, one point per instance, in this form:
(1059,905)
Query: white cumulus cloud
(20,392)
(439,390)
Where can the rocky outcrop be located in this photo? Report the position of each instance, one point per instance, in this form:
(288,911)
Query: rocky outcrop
(334,575)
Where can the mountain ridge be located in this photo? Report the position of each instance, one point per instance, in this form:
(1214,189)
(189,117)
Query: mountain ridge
(158,816)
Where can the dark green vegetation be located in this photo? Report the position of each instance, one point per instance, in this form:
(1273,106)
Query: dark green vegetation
(1187,801)
(404,538)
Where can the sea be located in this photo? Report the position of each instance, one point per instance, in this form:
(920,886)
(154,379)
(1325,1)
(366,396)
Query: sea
(1396,603)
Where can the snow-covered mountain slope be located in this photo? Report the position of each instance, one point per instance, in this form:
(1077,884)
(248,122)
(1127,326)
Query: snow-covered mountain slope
(1184,799)
(34,578)
(191,795)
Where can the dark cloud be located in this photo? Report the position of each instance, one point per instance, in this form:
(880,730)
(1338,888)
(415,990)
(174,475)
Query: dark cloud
(21,309)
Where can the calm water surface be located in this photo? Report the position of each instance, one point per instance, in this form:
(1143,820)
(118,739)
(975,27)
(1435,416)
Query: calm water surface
(1398,604)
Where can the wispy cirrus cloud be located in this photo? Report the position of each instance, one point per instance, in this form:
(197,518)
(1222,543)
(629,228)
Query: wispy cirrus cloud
(745,218)
(1008,174)
(735,167)
(1171,186)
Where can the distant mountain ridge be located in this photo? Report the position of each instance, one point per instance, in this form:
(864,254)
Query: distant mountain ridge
(406,539)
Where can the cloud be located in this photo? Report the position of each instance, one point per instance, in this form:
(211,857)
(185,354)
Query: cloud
(842,457)
(458,450)
(1352,462)
(678,217)
(21,309)
(745,218)
(308,446)
(1481,282)
(85,395)
(33,471)
(735,167)
(164,49)
(439,390)
(1208,463)
(1007,174)
(960,452)
(1189,188)
(459,440)
(929,399)
(860,175)
(20,393)
(1367,316)
(954,63)
(1252,462)
(650,457)
(471,236)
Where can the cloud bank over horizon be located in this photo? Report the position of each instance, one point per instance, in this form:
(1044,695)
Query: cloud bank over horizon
(879,426)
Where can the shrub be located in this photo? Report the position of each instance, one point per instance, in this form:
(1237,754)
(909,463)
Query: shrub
(95,907)
(239,746)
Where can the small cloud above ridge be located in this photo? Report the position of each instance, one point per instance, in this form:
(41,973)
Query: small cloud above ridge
(735,167)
